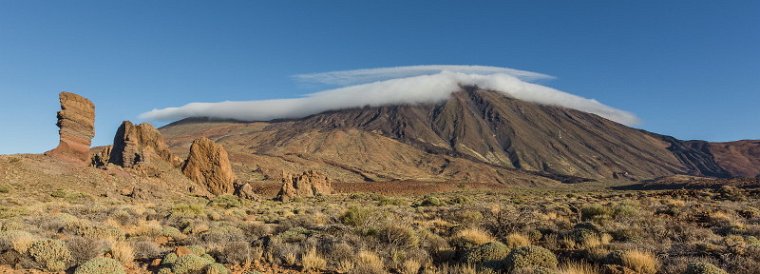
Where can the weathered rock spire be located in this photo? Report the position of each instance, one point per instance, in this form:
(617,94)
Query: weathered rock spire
(76,123)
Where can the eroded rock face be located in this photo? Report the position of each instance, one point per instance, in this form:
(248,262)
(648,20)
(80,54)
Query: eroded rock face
(308,184)
(138,144)
(209,165)
(76,123)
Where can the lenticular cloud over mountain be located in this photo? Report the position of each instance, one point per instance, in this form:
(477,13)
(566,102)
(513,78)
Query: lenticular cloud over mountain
(391,86)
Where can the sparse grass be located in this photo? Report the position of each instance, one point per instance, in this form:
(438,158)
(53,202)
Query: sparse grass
(521,230)
(578,268)
(515,240)
(368,262)
(471,237)
(640,261)
(312,261)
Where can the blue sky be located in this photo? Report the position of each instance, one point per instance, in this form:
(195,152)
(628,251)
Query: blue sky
(687,68)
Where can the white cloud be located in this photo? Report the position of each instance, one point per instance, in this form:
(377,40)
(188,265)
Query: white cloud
(362,76)
(435,86)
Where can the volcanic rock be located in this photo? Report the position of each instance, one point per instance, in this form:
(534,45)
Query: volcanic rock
(76,123)
(101,156)
(208,164)
(134,145)
(245,191)
(308,184)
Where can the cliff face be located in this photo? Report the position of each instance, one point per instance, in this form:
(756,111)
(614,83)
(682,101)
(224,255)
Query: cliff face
(76,123)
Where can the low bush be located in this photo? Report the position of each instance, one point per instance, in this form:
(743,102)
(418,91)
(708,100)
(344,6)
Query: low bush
(703,268)
(54,255)
(490,255)
(356,216)
(530,257)
(17,240)
(100,266)
(84,249)
(190,264)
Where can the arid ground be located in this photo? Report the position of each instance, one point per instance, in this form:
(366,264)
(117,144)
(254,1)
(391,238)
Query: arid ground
(374,228)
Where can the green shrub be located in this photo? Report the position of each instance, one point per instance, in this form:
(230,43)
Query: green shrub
(4,189)
(595,212)
(579,235)
(52,254)
(530,257)
(91,230)
(100,266)
(399,236)
(431,201)
(190,264)
(173,232)
(216,269)
(197,250)
(188,210)
(226,201)
(356,216)
(703,268)
(490,255)
(169,259)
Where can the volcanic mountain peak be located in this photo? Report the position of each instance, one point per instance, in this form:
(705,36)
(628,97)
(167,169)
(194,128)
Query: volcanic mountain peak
(474,127)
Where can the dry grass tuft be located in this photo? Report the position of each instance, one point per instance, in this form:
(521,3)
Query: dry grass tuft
(411,267)
(368,262)
(640,261)
(516,240)
(123,252)
(578,268)
(474,236)
(311,260)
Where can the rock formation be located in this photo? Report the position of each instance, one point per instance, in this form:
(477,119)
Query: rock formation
(76,123)
(134,145)
(208,164)
(245,191)
(308,184)
(101,156)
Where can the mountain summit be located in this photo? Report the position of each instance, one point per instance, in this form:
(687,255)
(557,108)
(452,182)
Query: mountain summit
(475,135)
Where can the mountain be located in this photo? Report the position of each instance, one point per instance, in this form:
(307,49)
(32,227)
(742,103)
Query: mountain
(475,135)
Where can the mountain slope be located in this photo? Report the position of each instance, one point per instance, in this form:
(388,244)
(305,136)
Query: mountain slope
(474,135)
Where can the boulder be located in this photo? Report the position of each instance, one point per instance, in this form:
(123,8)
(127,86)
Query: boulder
(138,144)
(308,184)
(76,123)
(245,191)
(209,165)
